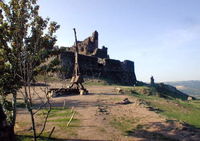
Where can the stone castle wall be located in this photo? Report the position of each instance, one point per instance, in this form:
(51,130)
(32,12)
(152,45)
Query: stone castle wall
(119,72)
(89,47)
(95,62)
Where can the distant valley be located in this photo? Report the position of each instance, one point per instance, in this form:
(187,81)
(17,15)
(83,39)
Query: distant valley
(191,87)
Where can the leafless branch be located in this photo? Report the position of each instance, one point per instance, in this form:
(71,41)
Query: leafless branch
(40,107)
(41,99)
(45,121)
(51,132)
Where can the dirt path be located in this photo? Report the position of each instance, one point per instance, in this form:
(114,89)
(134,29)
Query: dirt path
(99,109)
(102,119)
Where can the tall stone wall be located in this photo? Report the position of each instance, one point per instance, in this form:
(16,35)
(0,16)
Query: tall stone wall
(119,72)
(95,62)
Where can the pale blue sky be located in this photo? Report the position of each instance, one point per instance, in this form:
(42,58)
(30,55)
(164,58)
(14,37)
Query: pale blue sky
(162,37)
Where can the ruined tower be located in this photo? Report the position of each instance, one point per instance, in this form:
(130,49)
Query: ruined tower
(95,62)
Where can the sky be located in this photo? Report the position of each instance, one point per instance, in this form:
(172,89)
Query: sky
(162,37)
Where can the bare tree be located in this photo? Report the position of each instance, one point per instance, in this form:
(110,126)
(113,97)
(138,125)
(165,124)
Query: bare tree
(29,93)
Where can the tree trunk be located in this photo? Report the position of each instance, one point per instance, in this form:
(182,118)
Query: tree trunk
(6,131)
(14,110)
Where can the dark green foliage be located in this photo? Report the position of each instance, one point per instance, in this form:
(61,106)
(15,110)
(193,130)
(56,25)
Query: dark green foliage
(26,40)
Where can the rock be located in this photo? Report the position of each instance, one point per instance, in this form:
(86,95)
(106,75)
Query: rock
(119,90)
(125,101)
(189,98)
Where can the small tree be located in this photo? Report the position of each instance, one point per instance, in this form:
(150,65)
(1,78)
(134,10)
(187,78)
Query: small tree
(8,86)
(26,41)
(7,109)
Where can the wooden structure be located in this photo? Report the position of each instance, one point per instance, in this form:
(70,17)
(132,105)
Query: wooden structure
(77,79)
(76,86)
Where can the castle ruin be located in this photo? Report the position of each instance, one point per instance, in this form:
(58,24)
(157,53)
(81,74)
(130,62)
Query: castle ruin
(89,47)
(95,62)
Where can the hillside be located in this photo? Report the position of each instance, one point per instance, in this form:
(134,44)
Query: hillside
(190,87)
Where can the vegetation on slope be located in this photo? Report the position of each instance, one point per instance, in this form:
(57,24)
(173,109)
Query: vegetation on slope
(174,109)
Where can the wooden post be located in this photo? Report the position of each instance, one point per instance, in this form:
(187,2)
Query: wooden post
(64,103)
(71,119)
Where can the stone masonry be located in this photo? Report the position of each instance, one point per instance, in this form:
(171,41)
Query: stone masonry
(95,62)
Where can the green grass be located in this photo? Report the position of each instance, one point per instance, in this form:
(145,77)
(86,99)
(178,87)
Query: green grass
(124,124)
(41,78)
(29,137)
(185,111)
(56,112)
(59,115)
(62,120)
(59,118)
(98,83)
(92,81)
